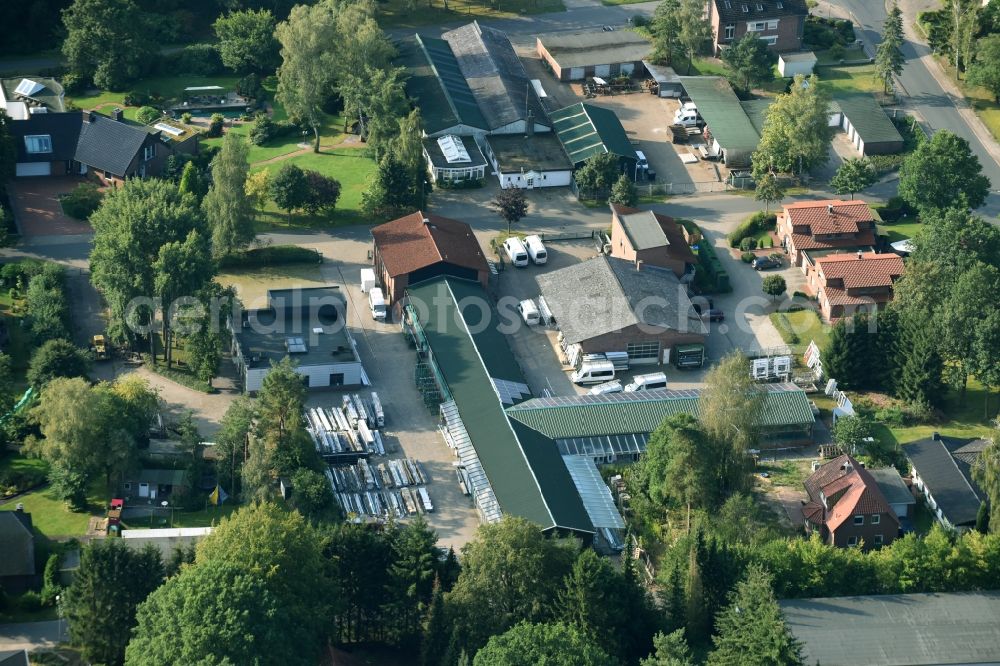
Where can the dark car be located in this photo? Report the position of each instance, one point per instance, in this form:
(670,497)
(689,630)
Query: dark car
(715,314)
(764,263)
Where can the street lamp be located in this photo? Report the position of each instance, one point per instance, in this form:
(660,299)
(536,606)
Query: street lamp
(59,612)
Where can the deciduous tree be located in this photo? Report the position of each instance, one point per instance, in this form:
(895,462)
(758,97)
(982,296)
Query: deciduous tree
(181,270)
(247,42)
(228,209)
(666,28)
(774,285)
(309,55)
(854,175)
(554,643)
(695,29)
(289,188)
(985,68)
(796,133)
(750,61)
(100,604)
(727,410)
(598,173)
(943,173)
(511,205)
(56,358)
(623,193)
(986,472)
(107,42)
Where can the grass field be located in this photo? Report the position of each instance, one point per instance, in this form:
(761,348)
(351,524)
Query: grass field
(403,14)
(965,416)
(798,328)
(905,228)
(168,87)
(51,516)
(784,472)
(252,284)
(350,166)
(849,79)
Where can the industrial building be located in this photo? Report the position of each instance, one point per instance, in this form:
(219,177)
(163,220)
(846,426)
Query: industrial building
(527,162)
(307,325)
(574,56)
(587,129)
(609,304)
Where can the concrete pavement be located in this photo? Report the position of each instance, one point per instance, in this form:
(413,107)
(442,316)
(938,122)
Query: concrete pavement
(33,635)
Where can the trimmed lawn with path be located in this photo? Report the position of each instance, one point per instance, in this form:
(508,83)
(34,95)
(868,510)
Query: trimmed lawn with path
(798,328)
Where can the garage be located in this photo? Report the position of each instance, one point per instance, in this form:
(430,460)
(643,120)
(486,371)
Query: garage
(575,73)
(25,169)
(572,56)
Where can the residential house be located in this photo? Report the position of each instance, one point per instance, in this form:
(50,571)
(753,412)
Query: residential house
(845,284)
(897,629)
(778,23)
(810,229)
(17,551)
(574,56)
(846,506)
(609,304)
(941,468)
(420,247)
(46,144)
(154,485)
(653,239)
(309,325)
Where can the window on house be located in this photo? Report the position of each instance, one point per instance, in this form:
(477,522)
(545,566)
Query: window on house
(746,8)
(149,152)
(730,31)
(779,5)
(876,519)
(770,41)
(127,485)
(760,7)
(728,4)
(852,541)
(757,26)
(38,143)
(643,350)
(859,520)
(879,539)
(772,25)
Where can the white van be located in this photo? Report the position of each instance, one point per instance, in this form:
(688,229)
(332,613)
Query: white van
(529,312)
(687,115)
(614,386)
(516,252)
(654,380)
(367,280)
(376,302)
(536,249)
(594,372)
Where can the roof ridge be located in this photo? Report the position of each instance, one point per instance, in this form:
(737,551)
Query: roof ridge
(437,75)
(951,458)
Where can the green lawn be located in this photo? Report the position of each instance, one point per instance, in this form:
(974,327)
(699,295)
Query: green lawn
(906,227)
(403,14)
(853,53)
(784,472)
(798,328)
(965,417)
(51,516)
(168,87)
(982,102)
(349,166)
(705,67)
(849,79)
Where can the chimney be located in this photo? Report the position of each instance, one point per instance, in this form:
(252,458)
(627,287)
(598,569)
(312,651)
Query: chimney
(829,209)
(936,437)
(638,264)
(91,116)
(529,124)
(860,254)
(118,115)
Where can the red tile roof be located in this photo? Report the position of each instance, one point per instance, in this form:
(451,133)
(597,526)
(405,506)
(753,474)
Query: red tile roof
(831,216)
(861,494)
(419,240)
(677,247)
(865,238)
(870,270)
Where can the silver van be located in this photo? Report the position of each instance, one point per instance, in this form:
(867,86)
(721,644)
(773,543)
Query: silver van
(594,372)
(654,380)
(536,249)
(516,251)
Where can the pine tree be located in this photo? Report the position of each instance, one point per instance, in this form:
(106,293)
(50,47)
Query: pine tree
(920,377)
(449,569)
(413,575)
(751,630)
(192,181)
(436,631)
(623,192)
(696,611)
(889,58)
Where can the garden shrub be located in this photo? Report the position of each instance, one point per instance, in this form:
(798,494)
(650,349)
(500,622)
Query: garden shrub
(30,602)
(186,118)
(215,125)
(753,225)
(135,98)
(147,114)
(748,243)
(73,83)
(747,257)
(272,255)
(82,201)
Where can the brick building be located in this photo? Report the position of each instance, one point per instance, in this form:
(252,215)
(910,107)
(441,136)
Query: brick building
(653,239)
(846,283)
(780,23)
(810,229)
(847,507)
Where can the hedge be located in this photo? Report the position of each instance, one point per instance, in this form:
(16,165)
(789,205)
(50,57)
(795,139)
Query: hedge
(753,225)
(713,267)
(272,255)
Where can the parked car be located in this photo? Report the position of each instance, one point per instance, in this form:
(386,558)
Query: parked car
(614,386)
(764,263)
(529,312)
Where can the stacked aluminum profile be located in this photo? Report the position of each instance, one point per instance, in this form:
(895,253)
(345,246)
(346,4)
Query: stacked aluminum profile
(394,488)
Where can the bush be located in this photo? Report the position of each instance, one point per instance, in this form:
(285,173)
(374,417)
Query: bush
(747,257)
(892,416)
(883,164)
(73,84)
(837,51)
(712,267)
(147,114)
(262,129)
(894,209)
(748,243)
(823,33)
(14,481)
(82,201)
(249,86)
(272,255)
(753,225)
(186,118)
(135,98)
(29,602)
(198,59)
(216,124)
(640,20)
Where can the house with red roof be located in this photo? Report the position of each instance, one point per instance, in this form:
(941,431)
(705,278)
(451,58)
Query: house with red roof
(851,282)
(811,229)
(847,507)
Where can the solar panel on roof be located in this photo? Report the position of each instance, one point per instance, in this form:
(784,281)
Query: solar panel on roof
(510,392)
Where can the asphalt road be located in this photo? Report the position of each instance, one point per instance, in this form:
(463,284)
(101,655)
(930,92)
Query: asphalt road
(938,107)
(32,635)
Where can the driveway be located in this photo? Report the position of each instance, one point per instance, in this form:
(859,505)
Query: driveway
(33,635)
(37,210)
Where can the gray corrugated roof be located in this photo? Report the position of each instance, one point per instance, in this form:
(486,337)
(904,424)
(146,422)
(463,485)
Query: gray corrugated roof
(583,49)
(644,230)
(892,486)
(495,75)
(897,629)
(606,294)
(868,118)
(109,145)
(441,91)
(942,477)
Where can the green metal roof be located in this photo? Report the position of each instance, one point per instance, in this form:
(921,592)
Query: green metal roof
(586,129)
(438,86)
(868,119)
(783,405)
(756,110)
(524,468)
(721,109)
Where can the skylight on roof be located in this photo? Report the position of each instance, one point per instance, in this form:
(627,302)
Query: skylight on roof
(169,129)
(453,149)
(296,345)
(27,87)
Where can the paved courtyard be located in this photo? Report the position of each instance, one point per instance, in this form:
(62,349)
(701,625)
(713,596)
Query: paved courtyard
(37,210)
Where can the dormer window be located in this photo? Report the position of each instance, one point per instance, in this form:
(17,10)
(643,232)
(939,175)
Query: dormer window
(38,144)
(149,152)
(760,7)
(779,5)
(746,8)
